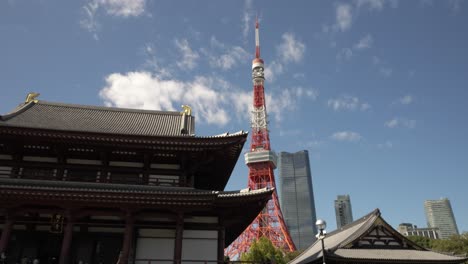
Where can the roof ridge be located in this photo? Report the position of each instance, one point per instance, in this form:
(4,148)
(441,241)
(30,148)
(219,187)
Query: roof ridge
(367,220)
(356,222)
(107,108)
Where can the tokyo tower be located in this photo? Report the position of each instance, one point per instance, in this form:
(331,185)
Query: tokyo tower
(261,162)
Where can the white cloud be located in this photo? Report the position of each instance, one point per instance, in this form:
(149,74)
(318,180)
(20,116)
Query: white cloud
(376,4)
(290,133)
(89,22)
(301,92)
(152,62)
(346,136)
(291,49)
(344,16)
(375,60)
(212,99)
(189,57)
(455,5)
(272,70)
(425,3)
(365,106)
(123,8)
(312,93)
(299,75)
(387,72)
(406,100)
(142,90)
(118,8)
(364,43)
(347,103)
(246,18)
(313,143)
(371,4)
(400,122)
(344,54)
(224,57)
(386,144)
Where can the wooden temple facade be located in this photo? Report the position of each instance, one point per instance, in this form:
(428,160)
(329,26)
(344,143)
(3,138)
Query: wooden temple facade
(86,184)
(368,240)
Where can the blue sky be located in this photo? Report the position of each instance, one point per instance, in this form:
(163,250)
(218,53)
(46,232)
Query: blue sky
(375,90)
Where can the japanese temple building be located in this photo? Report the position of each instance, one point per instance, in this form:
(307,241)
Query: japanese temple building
(371,239)
(91,184)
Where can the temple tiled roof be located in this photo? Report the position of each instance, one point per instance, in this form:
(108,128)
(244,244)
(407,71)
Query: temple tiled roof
(47,185)
(238,208)
(394,254)
(97,119)
(342,245)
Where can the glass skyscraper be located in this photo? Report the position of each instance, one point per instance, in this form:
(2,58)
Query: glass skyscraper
(439,214)
(343,211)
(297,197)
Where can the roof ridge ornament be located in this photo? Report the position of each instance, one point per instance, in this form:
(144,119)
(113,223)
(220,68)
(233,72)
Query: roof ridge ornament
(31,97)
(187,110)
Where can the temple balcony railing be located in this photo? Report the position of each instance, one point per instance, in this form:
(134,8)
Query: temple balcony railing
(116,178)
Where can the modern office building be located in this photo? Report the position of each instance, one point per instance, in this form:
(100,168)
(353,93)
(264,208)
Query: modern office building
(297,197)
(408,229)
(439,214)
(343,211)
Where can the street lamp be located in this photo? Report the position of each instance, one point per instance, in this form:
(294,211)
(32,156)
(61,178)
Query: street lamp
(321,225)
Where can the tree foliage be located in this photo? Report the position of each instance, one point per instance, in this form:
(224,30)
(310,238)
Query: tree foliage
(424,242)
(288,256)
(456,244)
(263,251)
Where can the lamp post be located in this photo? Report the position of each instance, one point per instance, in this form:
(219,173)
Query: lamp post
(321,225)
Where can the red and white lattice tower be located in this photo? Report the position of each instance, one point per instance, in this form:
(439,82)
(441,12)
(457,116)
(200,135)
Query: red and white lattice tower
(261,162)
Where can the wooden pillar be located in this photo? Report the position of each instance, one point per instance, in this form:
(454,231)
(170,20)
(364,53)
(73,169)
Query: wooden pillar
(6,233)
(127,240)
(221,238)
(178,238)
(67,239)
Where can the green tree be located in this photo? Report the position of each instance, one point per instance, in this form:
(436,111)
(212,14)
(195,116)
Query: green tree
(263,251)
(456,244)
(288,256)
(424,242)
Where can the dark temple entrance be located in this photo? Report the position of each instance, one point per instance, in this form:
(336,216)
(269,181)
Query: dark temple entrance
(25,246)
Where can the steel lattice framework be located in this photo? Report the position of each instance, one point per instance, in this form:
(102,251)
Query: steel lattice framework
(261,162)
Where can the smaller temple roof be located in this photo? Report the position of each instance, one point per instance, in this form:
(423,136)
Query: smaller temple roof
(395,254)
(371,239)
(97,119)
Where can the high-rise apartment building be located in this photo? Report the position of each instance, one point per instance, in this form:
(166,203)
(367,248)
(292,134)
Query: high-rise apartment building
(296,197)
(343,211)
(439,214)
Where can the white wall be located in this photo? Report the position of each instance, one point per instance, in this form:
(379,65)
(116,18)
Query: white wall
(159,244)
(199,245)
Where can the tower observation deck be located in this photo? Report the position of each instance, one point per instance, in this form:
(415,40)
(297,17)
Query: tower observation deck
(261,162)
